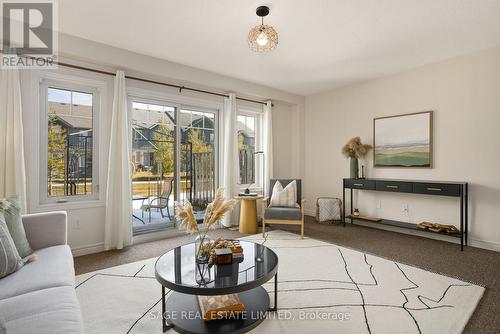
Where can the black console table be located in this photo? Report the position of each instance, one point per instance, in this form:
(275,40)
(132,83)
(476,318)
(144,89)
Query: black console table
(433,188)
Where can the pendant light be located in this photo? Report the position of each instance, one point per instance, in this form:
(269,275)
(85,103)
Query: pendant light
(262,38)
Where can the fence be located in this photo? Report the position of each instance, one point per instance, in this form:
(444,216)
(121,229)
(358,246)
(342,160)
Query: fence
(69,169)
(202,178)
(247,166)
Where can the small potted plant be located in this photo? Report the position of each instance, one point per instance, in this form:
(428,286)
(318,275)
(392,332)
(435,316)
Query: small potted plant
(355,149)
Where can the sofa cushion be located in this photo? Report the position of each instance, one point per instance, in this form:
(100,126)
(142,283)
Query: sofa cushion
(10,261)
(12,211)
(47,311)
(278,213)
(52,268)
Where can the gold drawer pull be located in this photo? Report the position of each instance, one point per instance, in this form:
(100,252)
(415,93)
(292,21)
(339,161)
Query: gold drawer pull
(434,189)
(358,184)
(392,187)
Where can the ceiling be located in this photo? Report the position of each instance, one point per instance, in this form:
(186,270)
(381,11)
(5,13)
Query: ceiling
(323,44)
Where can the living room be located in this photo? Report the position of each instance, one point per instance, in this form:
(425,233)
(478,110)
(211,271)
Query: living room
(310,166)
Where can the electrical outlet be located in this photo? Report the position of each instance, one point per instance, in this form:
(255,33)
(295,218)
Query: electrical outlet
(379,204)
(77,224)
(404,208)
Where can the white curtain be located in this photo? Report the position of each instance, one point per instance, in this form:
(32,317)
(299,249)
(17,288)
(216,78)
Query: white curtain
(267,145)
(230,165)
(118,223)
(12,165)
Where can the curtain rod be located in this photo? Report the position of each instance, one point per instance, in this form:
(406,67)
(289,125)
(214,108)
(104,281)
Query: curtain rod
(181,88)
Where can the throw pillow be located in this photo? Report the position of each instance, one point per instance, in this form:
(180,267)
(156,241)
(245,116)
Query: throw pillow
(12,211)
(284,197)
(10,261)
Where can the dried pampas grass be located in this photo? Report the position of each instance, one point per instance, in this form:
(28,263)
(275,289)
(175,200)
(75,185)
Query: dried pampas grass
(214,212)
(185,214)
(218,208)
(355,148)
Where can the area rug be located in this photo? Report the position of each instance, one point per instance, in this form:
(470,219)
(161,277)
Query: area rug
(323,288)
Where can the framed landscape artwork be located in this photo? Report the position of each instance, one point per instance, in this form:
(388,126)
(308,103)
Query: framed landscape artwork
(403,140)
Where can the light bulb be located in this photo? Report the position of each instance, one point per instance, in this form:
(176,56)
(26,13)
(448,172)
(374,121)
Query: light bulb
(262,39)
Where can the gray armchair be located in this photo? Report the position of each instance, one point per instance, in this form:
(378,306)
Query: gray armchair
(283,215)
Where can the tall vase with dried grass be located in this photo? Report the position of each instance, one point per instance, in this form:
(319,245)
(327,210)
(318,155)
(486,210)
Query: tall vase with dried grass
(355,149)
(214,212)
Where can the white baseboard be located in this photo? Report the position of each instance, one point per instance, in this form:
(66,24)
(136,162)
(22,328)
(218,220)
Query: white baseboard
(87,249)
(147,237)
(490,245)
(309,213)
(138,239)
(99,247)
(484,244)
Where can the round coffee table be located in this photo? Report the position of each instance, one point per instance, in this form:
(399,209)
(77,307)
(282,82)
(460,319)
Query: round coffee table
(178,271)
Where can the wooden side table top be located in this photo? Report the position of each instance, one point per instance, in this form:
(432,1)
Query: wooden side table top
(252,198)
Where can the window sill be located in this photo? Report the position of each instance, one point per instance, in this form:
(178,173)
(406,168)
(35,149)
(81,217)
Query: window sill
(70,205)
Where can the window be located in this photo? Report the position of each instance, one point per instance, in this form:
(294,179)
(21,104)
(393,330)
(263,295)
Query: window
(247,129)
(68,144)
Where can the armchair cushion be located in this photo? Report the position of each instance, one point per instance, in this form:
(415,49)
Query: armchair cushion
(280,213)
(284,183)
(284,197)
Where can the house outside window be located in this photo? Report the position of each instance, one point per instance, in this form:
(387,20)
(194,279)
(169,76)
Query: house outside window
(68,145)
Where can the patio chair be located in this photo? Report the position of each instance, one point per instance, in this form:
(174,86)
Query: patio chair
(160,202)
(284,215)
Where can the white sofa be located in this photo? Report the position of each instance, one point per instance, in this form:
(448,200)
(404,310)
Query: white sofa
(40,297)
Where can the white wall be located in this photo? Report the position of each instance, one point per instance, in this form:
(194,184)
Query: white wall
(464,92)
(86,222)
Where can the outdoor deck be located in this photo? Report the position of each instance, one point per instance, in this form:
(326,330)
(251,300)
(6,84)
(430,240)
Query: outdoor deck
(141,220)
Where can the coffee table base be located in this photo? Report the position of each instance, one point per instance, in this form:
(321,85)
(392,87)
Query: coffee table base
(182,313)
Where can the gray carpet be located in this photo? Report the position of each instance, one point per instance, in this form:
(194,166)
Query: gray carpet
(474,264)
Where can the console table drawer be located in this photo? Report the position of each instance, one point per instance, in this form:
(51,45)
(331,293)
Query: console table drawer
(396,186)
(442,189)
(360,184)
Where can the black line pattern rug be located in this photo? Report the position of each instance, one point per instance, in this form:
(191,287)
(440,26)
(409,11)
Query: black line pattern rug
(323,288)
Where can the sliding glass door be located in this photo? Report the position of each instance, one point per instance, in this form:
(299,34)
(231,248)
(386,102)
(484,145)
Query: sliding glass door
(153,159)
(174,158)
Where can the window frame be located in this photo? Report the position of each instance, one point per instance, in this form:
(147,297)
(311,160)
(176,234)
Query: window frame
(258,115)
(71,85)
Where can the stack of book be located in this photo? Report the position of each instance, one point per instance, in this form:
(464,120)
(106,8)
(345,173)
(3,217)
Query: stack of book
(248,194)
(236,249)
(221,307)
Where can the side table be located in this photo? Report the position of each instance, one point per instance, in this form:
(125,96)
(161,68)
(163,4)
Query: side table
(248,213)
